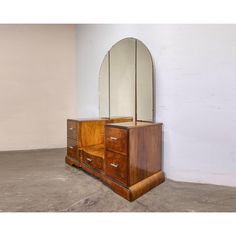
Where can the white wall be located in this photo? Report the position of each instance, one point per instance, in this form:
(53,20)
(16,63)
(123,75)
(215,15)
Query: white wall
(195,92)
(37,85)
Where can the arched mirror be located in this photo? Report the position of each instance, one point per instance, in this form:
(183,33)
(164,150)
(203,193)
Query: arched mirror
(126,82)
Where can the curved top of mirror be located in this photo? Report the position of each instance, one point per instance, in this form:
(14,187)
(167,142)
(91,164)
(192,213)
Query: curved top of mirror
(126,81)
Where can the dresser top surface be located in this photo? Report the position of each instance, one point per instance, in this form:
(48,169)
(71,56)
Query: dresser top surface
(98,118)
(133,124)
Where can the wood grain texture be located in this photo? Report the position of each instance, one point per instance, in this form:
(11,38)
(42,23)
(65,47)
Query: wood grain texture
(116,187)
(119,120)
(91,161)
(91,171)
(125,156)
(144,152)
(71,148)
(91,133)
(88,135)
(145,185)
(116,140)
(72,129)
(95,150)
(116,166)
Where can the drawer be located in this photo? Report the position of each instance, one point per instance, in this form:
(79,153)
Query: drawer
(116,140)
(72,129)
(116,166)
(72,148)
(92,161)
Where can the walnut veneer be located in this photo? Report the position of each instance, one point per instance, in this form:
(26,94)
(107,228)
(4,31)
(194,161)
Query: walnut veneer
(125,155)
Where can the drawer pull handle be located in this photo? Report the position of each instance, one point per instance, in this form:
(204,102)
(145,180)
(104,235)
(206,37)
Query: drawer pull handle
(71,128)
(113,138)
(88,159)
(114,165)
(71,147)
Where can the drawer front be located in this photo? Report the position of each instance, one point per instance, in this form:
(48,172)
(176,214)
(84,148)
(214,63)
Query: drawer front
(116,166)
(72,129)
(116,140)
(71,148)
(93,161)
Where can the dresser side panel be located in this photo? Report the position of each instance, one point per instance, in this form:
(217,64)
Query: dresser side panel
(144,152)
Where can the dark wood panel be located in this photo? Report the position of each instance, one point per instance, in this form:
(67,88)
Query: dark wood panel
(71,148)
(93,161)
(153,148)
(91,171)
(79,154)
(116,140)
(72,161)
(116,187)
(72,129)
(145,185)
(144,152)
(116,166)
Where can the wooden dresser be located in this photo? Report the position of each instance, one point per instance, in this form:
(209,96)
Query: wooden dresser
(125,155)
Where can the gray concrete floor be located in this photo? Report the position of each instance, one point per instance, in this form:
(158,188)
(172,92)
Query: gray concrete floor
(40,181)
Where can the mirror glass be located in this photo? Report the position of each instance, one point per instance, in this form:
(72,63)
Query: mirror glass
(126,81)
(144,83)
(122,78)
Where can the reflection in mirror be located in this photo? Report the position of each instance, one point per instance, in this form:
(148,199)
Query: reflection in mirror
(122,82)
(144,83)
(104,88)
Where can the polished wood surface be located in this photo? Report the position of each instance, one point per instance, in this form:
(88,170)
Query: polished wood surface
(145,185)
(87,136)
(91,133)
(145,152)
(95,150)
(91,161)
(119,120)
(92,171)
(116,187)
(116,140)
(129,125)
(72,129)
(125,156)
(116,166)
(72,148)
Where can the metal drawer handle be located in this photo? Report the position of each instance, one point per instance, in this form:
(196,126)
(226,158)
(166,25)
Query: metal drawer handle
(113,138)
(88,159)
(71,147)
(114,165)
(71,128)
